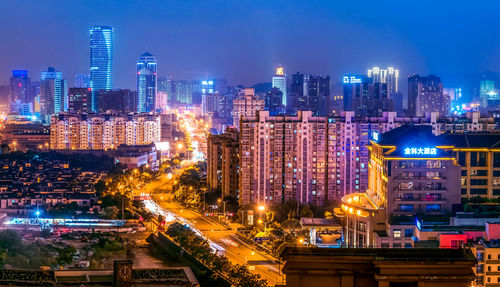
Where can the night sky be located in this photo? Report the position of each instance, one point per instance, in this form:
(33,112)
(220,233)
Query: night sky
(244,40)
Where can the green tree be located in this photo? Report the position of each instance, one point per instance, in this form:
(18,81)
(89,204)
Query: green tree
(111,212)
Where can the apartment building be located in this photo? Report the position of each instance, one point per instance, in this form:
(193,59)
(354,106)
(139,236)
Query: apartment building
(103,131)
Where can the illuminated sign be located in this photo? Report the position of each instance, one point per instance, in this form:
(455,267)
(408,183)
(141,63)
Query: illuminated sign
(419,225)
(375,136)
(351,80)
(420,151)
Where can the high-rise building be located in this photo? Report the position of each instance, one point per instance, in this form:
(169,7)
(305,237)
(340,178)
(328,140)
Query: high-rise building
(146,83)
(425,95)
(365,98)
(488,95)
(410,174)
(79,100)
(279,81)
(246,105)
(352,91)
(274,103)
(117,101)
(102,131)
(389,76)
(53,93)
(222,162)
(20,90)
(82,81)
(306,138)
(310,93)
(101,60)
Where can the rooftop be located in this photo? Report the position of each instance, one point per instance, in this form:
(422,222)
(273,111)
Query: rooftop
(473,140)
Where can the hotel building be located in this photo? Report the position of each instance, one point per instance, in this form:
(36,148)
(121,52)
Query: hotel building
(411,172)
(102,131)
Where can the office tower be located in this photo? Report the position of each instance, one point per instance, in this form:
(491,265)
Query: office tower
(310,93)
(82,81)
(222,162)
(410,174)
(365,98)
(101,60)
(389,76)
(425,95)
(279,81)
(299,92)
(352,90)
(117,101)
(246,105)
(53,93)
(19,89)
(102,131)
(79,100)
(318,95)
(488,95)
(146,83)
(274,101)
(207,88)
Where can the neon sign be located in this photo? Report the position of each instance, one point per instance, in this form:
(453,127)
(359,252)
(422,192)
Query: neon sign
(375,136)
(420,151)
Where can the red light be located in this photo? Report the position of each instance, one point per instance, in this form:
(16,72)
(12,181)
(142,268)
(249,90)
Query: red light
(138,73)
(20,85)
(90,89)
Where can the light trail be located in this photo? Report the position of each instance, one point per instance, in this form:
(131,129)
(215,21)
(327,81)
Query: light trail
(170,217)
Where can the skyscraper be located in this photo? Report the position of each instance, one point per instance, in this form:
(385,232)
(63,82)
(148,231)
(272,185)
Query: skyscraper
(389,76)
(53,93)
(279,81)
(146,83)
(487,92)
(101,60)
(19,89)
(310,93)
(79,100)
(82,81)
(425,95)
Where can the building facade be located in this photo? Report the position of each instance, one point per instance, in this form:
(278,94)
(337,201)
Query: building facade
(102,131)
(247,104)
(19,90)
(101,60)
(146,83)
(53,93)
(411,172)
(279,81)
(79,100)
(344,138)
(425,95)
(223,162)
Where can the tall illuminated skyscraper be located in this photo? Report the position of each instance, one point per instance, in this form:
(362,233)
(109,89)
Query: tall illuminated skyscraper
(146,83)
(279,81)
(389,76)
(53,93)
(101,60)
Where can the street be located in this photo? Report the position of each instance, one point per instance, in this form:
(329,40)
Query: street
(230,245)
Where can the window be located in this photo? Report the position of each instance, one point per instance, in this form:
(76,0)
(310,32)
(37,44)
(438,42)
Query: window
(461,158)
(478,191)
(408,245)
(396,245)
(408,232)
(496,159)
(478,182)
(406,207)
(489,257)
(473,158)
(397,233)
(433,207)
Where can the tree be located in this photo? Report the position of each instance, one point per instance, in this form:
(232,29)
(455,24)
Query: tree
(111,212)
(306,211)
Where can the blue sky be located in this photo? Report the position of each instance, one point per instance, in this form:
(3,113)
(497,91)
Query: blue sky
(243,40)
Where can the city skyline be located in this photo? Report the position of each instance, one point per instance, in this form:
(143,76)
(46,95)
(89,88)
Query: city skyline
(390,39)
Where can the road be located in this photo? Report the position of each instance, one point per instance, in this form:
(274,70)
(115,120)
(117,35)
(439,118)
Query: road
(232,247)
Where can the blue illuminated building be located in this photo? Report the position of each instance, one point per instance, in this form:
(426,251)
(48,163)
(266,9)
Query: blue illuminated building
(101,60)
(146,83)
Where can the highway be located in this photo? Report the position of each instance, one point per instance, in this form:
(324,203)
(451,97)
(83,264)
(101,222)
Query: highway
(232,247)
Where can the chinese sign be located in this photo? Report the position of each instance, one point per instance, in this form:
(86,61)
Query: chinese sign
(420,151)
